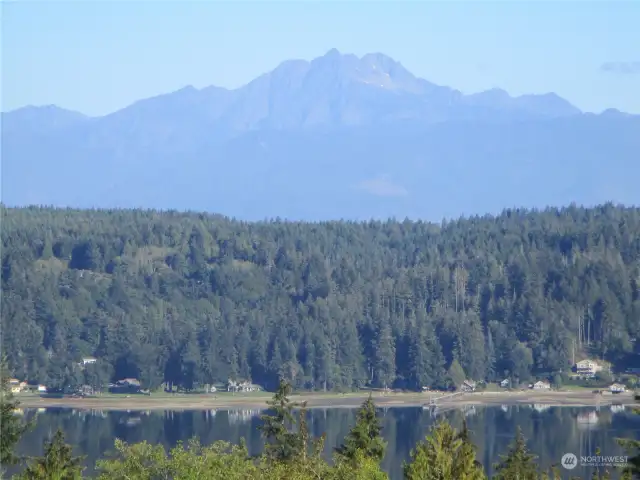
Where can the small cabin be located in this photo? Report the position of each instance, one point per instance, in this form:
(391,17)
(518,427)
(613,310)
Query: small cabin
(587,368)
(468,386)
(617,388)
(540,385)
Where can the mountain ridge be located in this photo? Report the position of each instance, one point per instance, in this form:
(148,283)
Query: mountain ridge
(382,70)
(319,140)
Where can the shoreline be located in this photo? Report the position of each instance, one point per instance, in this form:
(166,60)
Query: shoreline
(209,402)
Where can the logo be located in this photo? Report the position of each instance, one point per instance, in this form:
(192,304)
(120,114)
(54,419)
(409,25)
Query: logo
(569,461)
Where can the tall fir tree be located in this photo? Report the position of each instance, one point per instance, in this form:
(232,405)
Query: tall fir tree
(12,427)
(365,436)
(57,463)
(519,463)
(444,455)
(282,443)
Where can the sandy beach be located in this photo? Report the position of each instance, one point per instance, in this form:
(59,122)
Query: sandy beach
(321,400)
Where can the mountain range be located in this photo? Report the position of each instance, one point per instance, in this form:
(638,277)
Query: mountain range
(337,137)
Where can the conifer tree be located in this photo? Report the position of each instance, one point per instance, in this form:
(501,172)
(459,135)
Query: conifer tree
(282,444)
(309,447)
(552,474)
(11,426)
(519,463)
(365,436)
(58,463)
(444,455)
(467,452)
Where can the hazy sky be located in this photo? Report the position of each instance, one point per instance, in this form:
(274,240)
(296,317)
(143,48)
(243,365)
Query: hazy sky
(97,57)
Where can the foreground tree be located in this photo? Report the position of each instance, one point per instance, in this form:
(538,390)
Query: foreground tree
(519,463)
(552,474)
(632,447)
(12,427)
(365,437)
(58,463)
(144,461)
(283,442)
(445,454)
(358,467)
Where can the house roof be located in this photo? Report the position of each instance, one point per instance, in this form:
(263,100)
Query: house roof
(129,380)
(586,360)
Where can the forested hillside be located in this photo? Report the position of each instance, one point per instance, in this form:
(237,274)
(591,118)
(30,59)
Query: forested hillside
(187,298)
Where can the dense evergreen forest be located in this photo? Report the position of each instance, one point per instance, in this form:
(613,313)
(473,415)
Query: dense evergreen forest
(188,298)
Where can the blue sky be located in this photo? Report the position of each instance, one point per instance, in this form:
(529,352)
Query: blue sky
(97,57)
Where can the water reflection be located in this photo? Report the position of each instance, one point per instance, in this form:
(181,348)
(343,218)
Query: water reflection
(551,431)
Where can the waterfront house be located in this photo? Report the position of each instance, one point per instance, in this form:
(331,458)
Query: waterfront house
(244,386)
(617,388)
(506,383)
(126,385)
(588,368)
(468,386)
(17,386)
(540,385)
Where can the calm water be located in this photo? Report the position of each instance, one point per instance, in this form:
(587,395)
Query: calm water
(551,431)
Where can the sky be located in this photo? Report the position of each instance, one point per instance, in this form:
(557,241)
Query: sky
(97,57)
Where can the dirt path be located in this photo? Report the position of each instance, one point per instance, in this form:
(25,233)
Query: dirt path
(208,402)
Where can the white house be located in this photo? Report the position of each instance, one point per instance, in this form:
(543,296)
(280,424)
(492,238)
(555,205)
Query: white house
(42,389)
(587,368)
(505,383)
(88,360)
(540,385)
(468,386)
(242,386)
(17,386)
(616,388)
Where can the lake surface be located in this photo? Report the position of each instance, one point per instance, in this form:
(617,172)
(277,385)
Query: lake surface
(550,431)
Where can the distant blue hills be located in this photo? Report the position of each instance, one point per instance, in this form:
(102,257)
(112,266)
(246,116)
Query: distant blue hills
(337,137)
